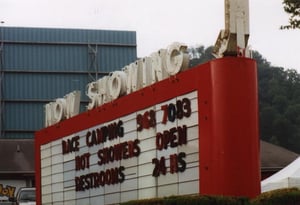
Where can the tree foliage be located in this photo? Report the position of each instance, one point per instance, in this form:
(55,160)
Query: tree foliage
(279,103)
(199,55)
(279,100)
(292,7)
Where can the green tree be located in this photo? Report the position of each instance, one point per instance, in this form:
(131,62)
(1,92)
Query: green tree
(279,104)
(292,7)
(199,55)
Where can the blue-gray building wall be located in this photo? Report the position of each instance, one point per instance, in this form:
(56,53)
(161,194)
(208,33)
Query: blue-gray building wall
(41,64)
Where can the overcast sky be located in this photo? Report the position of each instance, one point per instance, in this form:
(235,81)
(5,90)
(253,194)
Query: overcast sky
(158,23)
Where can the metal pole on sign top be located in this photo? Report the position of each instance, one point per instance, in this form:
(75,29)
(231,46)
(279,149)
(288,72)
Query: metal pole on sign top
(233,40)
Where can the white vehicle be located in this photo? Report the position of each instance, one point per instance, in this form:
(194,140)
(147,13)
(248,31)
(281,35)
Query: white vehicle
(25,196)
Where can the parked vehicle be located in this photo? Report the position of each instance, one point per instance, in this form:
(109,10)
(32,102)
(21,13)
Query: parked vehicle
(25,196)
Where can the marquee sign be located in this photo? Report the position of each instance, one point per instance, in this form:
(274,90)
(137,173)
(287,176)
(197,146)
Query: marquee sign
(193,133)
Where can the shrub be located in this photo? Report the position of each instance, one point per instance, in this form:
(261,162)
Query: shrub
(289,196)
(191,200)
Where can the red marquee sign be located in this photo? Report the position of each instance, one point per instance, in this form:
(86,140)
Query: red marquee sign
(195,132)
